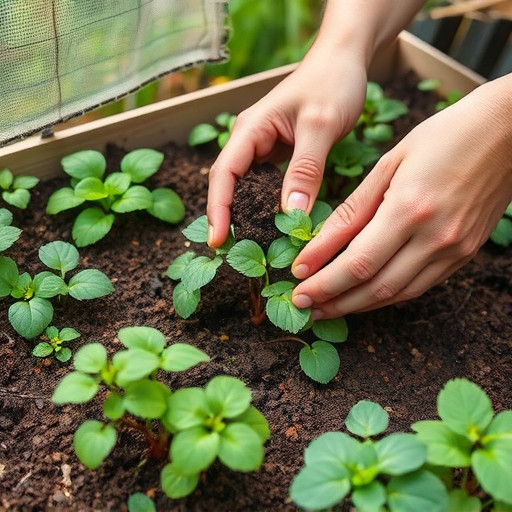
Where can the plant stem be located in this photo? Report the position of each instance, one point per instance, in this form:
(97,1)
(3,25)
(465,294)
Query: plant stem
(290,338)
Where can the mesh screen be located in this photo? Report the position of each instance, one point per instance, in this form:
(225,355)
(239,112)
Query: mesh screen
(61,58)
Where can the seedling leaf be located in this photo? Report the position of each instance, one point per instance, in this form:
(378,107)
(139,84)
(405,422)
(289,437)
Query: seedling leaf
(93,441)
(140,164)
(59,255)
(370,497)
(90,189)
(320,362)
(63,355)
(320,212)
(8,235)
(400,453)
(47,285)
(63,199)
(247,257)
(201,134)
(227,396)
(181,356)
(294,220)
(379,133)
(90,358)
(284,314)
(240,448)
(176,269)
(75,388)
(31,318)
(89,284)
(366,419)
(135,198)
(145,338)
(117,183)
(139,502)
(8,275)
(282,252)
(134,364)
(197,231)
(185,301)
(277,288)
(42,349)
(193,450)
(113,406)
(144,398)
(167,206)
(459,501)
(255,419)
(334,330)
(18,198)
(200,271)
(91,225)
(175,484)
(84,164)
(187,408)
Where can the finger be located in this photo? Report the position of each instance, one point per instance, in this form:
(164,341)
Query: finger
(347,221)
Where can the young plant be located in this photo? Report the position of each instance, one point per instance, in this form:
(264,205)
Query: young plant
(502,233)
(118,192)
(32,310)
(433,84)
(53,340)
(191,426)
(220,131)
(16,190)
(270,298)
(8,234)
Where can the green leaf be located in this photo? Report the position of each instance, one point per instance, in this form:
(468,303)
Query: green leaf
(400,453)
(320,212)
(277,288)
(379,133)
(68,334)
(8,275)
(223,119)
(445,447)
(90,358)
(197,231)
(91,189)
(334,330)
(176,269)
(175,484)
(194,450)
(6,179)
(31,318)
(320,487)
(8,235)
(282,252)
(187,408)
(321,362)
(89,284)
(182,356)
(389,109)
(23,287)
(134,364)
(255,419)
(140,164)
(201,134)
(91,225)
(113,406)
(75,388)
(429,84)
(84,164)
(350,171)
(459,501)
(18,198)
(367,419)
(227,396)
(240,448)
(465,408)
(93,441)
(284,314)
(145,338)
(42,349)
(135,198)
(185,301)
(47,285)
(247,257)
(61,256)
(370,497)
(294,220)
(222,139)
(117,183)
(63,355)
(145,398)
(200,271)
(5,217)
(139,502)
(63,199)
(502,233)
(416,491)
(499,432)
(332,449)
(167,205)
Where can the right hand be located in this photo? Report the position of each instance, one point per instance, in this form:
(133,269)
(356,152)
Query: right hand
(303,117)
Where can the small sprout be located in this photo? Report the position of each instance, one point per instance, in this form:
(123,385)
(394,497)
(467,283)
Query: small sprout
(8,234)
(139,502)
(52,344)
(429,84)
(502,233)
(451,98)
(221,131)
(16,189)
(118,192)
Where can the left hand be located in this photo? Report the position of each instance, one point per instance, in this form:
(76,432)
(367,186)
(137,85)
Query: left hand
(423,212)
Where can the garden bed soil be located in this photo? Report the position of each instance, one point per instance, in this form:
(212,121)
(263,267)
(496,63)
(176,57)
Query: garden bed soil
(399,356)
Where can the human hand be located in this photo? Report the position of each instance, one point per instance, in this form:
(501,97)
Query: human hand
(309,111)
(422,212)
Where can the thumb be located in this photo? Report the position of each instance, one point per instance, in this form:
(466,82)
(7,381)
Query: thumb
(305,171)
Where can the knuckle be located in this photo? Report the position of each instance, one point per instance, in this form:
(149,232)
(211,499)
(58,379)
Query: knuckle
(382,291)
(320,117)
(308,168)
(360,268)
(344,214)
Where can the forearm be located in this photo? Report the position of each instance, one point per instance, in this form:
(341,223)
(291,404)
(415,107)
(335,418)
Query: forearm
(363,26)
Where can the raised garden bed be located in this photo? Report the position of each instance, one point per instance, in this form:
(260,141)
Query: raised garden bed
(399,356)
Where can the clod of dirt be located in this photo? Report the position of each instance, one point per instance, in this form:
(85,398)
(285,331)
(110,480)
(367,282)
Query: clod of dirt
(255,203)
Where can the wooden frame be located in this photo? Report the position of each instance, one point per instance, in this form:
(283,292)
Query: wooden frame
(171,120)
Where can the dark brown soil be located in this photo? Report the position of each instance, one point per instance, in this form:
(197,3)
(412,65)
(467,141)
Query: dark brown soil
(399,356)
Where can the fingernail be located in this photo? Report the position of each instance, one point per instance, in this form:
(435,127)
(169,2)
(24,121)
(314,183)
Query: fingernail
(210,234)
(302,301)
(316,314)
(297,200)
(301,271)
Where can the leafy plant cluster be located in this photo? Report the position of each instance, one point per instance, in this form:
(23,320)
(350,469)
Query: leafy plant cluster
(191,427)
(270,298)
(16,189)
(32,310)
(8,234)
(118,192)
(219,132)
(459,463)
(53,340)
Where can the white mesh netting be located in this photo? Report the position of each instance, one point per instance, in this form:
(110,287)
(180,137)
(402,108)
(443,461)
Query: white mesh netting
(61,58)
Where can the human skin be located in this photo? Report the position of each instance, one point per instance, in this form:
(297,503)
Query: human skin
(425,208)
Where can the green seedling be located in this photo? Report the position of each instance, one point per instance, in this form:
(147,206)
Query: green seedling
(220,131)
(471,439)
(16,189)
(53,340)
(460,463)
(191,427)
(139,502)
(378,112)
(32,310)
(433,84)
(270,298)
(502,233)
(8,234)
(118,192)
